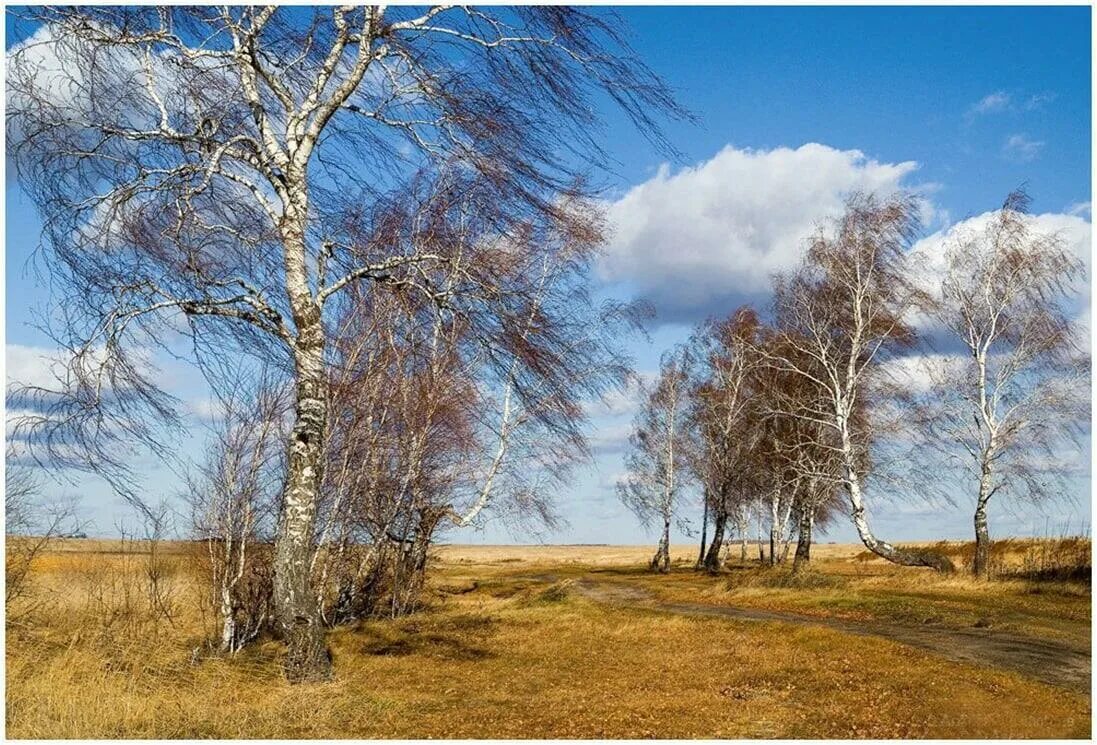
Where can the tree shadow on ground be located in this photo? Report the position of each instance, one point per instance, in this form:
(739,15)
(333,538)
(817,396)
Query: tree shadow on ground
(462,638)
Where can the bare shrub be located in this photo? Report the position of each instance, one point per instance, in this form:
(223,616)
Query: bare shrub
(32,527)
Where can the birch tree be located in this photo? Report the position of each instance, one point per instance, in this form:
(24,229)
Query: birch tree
(724,417)
(234,496)
(214,170)
(1018,396)
(656,461)
(838,317)
(433,428)
(802,455)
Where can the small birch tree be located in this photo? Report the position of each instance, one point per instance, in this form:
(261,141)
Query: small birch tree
(657,457)
(234,497)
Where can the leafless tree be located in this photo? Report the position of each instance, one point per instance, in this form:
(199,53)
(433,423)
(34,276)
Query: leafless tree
(799,456)
(839,316)
(1019,393)
(724,418)
(234,496)
(657,459)
(422,392)
(205,170)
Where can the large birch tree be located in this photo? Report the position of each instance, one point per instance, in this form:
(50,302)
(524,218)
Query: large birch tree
(843,312)
(214,171)
(1016,399)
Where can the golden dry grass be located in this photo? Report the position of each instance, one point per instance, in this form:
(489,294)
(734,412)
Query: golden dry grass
(504,651)
(848,583)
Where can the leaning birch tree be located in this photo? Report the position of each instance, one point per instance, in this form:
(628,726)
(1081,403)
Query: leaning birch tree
(212,171)
(838,317)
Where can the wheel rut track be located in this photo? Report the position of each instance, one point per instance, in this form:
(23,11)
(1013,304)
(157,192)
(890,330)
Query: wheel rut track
(1046,660)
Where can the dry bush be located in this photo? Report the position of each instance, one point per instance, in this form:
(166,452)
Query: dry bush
(132,593)
(237,613)
(1063,558)
(803,579)
(556,592)
(117,618)
(379,581)
(32,527)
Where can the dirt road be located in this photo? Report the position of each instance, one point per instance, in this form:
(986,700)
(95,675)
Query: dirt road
(1045,660)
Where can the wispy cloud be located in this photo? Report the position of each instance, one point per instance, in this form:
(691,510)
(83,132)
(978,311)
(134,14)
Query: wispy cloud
(1020,148)
(991,103)
(1080,209)
(1037,100)
(1000,102)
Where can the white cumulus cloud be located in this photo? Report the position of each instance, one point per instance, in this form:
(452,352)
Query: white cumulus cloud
(704,238)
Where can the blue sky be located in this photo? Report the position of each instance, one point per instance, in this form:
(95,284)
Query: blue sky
(961,104)
(895,83)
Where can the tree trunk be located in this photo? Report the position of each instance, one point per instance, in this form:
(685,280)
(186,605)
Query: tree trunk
(982,533)
(704,529)
(774,530)
(741,526)
(661,561)
(761,546)
(725,554)
(712,559)
(785,534)
(803,541)
(307,657)
(982,543)
(228,622)
(883,549)
(406,596)
(297,615)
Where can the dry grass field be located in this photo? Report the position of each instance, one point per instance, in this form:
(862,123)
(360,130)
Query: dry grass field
(568,641)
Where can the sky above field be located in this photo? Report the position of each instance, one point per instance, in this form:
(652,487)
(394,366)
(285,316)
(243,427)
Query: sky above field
(796,107)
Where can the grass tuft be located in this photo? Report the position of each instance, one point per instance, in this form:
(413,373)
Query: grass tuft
(557,592)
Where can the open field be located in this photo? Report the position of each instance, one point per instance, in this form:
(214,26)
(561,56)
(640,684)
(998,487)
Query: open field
(567,641)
